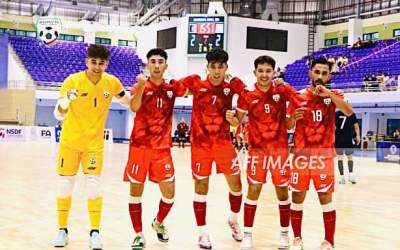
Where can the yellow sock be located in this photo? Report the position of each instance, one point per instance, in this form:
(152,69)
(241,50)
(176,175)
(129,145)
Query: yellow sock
(94,207)
(63,207)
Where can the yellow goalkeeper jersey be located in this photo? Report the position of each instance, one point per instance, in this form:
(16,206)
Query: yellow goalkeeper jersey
(83,126)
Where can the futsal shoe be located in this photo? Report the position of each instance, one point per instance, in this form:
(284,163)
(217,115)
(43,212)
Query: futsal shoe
(284,240)
(247,242)
(236,233)
(95,242)
(325,245)
(297,244)
(138,242)
(342,180)
(352,179)
(62,239)
(161,230)
(204,241)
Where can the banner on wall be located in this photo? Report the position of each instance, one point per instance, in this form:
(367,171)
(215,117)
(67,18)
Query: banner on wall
(12,133)
(36,133)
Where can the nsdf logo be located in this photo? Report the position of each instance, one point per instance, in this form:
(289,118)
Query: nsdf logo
(14,132)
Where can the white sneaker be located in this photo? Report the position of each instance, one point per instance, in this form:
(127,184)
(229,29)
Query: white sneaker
(62,239)
(325,245)
(138,242)
(204,241)
(247,242)
(95,242)
(236,232)
(297,244)
(161,230)
(342,180)
(352,179)
(284,240)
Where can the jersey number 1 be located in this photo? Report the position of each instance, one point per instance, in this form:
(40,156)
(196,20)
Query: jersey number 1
(159,103)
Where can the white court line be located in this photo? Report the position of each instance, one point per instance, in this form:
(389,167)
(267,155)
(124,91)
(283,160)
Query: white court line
(45,221)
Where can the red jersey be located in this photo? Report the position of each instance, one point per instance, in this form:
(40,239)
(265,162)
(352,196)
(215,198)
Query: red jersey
(210,103)
(315,133)
(153,120)
(267,116)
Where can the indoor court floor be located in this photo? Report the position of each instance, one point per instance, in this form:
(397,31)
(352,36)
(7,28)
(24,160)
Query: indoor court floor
(368,212)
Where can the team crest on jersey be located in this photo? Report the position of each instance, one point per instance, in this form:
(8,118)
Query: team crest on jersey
(227,91)
(322,177)
(167,167)
(170,94)
(106,94)
(327,101)
(92,161)
(203,90)
(150,93)
(276,97)
(283,171)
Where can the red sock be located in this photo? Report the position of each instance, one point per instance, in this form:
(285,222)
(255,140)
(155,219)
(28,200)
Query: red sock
(295,218)
(236,202)
(163,210)
(135,211)
(200,209)
(330,223)
(249,214)
(284,214)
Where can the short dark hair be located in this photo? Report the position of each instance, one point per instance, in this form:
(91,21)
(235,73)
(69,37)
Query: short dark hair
(217,56)
(264,60)
(321,60)
(98,51)
(157,52)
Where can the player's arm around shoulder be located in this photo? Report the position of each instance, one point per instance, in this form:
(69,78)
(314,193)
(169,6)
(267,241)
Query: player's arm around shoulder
(68,93)
(188,82)
(137,92)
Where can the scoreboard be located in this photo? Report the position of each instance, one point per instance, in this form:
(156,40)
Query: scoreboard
(205,33)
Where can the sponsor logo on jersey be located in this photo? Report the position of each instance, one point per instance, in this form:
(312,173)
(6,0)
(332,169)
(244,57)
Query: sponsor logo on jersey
(276,97)
(327,101)
(203,90)
(149,93)
(106,94)
(322,177)
(227,91)
(167,167)
(283,171)
(84,94)
(255,101)
(170,93)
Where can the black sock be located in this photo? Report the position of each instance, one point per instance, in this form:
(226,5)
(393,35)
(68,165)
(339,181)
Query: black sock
(65,229)
(94,231)
(350,166)
(340,164)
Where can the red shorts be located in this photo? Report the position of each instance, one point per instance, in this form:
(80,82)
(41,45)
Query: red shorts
(320,169)
(260,161)
(156,162)
(224,156)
